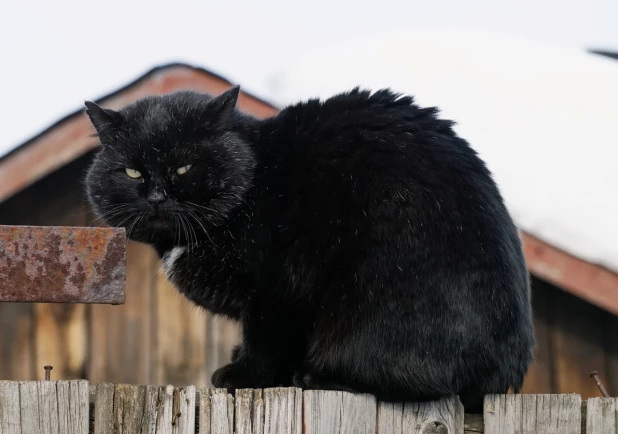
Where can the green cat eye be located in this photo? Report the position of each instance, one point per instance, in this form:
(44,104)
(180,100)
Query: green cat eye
(184,169)
(135,174)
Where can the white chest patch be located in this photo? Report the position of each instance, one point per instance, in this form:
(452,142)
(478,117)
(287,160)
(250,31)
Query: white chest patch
(169,259)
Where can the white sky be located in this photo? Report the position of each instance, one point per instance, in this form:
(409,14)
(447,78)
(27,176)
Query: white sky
(54,54)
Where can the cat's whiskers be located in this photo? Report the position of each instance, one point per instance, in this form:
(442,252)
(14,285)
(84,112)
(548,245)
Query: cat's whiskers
(177,224)
(124,220)
(190,230)
(192,214)
(109,220)
(111,211)
(184,229)
(135,222)
(114,211)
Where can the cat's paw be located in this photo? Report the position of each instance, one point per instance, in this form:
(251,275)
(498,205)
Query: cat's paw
(318,381)
(231,377)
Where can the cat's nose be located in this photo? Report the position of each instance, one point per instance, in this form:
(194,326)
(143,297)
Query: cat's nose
(156,198)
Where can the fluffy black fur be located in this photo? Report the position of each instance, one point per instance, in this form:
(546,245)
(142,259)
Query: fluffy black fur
(361,244)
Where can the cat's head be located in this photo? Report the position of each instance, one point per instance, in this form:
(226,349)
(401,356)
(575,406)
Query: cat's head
(169,166)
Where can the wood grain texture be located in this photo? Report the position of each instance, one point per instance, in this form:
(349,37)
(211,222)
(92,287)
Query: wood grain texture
(29,407)
(204,410)
(63,393)
(128,408)
(10,415)
(338,412)
(165,410)
(445,416)
(283,410)
(121,337)
(221,412)
(532,414)
(48,409)
(79,408)
(184,419)
(258,412)
(104,408)
(602,416)
(243,411)
(180,338)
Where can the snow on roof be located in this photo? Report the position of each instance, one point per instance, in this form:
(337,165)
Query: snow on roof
(544,120)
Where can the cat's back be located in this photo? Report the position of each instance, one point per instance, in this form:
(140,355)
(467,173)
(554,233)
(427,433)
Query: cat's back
(380,138)
(383,127)
(359,112)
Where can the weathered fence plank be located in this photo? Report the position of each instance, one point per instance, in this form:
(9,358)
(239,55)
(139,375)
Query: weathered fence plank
(338,412)
(243,411)
(63,392)
(10,415)
(601,416)
(128,408)
(165,410)
(29,407)
(532,414)
(283,410)
(445,416)
(221,412)
(204,409)
(59,407)
(48,408)
(62,264)
(258,412)
(45,407)
(104,408)
(151,399)
(79,408)
(184,405)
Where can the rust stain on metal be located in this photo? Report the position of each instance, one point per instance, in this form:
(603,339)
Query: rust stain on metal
(62,264)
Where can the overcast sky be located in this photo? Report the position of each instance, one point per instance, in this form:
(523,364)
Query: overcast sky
(55,54)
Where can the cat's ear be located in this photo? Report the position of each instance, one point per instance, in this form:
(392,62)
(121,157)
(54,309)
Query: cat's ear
(102,119)
(222,107)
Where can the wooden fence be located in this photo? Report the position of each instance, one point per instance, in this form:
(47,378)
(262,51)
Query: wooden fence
(75,407)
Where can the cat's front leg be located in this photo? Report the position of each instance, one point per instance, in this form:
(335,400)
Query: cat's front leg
(272,349)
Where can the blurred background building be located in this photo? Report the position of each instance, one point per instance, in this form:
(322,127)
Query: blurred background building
(519,79)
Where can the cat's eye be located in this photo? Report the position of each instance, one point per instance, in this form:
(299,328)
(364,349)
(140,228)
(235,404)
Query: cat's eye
(135,174)
(184,169)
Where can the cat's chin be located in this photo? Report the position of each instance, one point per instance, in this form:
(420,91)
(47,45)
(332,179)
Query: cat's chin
(159,224)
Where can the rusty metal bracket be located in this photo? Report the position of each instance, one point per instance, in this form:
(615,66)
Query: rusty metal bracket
(62,265)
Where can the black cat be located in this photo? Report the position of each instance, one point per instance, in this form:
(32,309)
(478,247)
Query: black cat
(361,244)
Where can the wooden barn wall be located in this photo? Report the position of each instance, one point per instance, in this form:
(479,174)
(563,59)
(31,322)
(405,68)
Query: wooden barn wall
(158,337)
(574,338)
